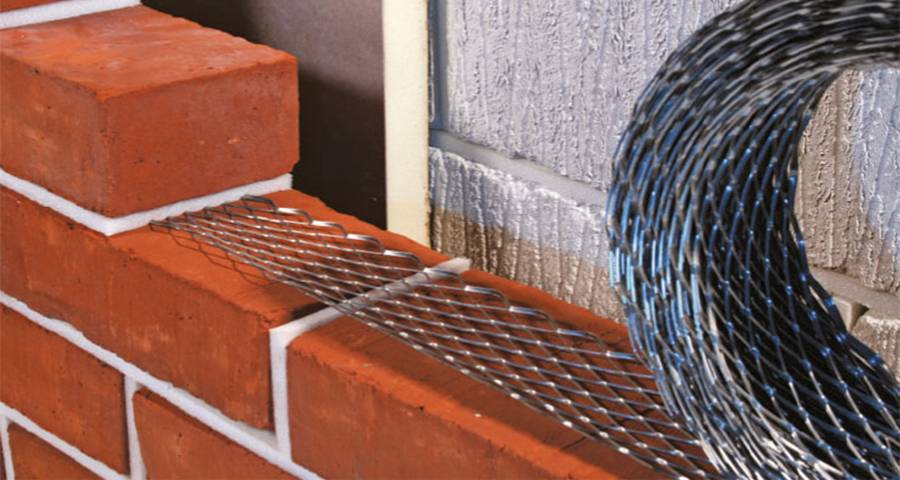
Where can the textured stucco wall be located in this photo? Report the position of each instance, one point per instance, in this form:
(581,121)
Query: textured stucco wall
(552,83)
(848,200)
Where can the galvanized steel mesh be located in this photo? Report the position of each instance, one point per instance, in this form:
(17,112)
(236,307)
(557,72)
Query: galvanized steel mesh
(570,374)
(707,255)
(751,371)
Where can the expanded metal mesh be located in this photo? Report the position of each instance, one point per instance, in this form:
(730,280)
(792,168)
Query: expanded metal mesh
(570,374)
(745,345)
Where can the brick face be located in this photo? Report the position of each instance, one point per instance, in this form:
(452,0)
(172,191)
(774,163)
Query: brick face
(35,459)
(363,405)
(174,445)
(132,109)
(63,389)
(183,315)
(6,5)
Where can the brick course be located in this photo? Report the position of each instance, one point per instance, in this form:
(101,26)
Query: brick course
(361,404)
(172,310)
(364,405)
(132,109)
(63,389)
(184,315)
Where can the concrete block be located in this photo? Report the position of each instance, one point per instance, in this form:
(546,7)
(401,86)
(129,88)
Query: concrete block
(847,287)
(521,230)
(850,310)
(847,202)
(881,332)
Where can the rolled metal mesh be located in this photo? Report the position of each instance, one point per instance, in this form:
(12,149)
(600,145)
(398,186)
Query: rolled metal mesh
(708,257)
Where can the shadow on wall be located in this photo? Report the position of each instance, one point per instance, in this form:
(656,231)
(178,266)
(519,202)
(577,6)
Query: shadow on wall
(338,44)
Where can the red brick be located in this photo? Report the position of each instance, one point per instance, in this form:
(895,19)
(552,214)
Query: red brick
(174,445)
(132,109)
(35,459)
(363,405)
(14,4)
(63,389)
(185,316)
(182,316)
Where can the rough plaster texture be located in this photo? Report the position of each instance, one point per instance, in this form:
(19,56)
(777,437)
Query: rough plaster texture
(553,83)
(847,201)
(521,230)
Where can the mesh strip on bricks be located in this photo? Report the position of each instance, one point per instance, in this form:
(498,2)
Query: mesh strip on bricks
(565,372)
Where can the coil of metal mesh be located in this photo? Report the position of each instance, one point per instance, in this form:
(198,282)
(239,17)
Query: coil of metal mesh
(746,347)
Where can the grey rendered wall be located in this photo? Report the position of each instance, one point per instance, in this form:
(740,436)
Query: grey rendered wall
(520,228)
(849,197)
(530,97)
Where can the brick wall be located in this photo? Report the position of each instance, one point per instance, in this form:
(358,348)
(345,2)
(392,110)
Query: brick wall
(143,354)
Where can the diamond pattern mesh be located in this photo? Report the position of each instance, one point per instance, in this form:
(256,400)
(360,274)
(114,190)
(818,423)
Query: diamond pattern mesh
(572,375)
(709,260)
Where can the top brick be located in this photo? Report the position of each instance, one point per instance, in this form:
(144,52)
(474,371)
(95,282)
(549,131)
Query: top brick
(133,109)
(16,4)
